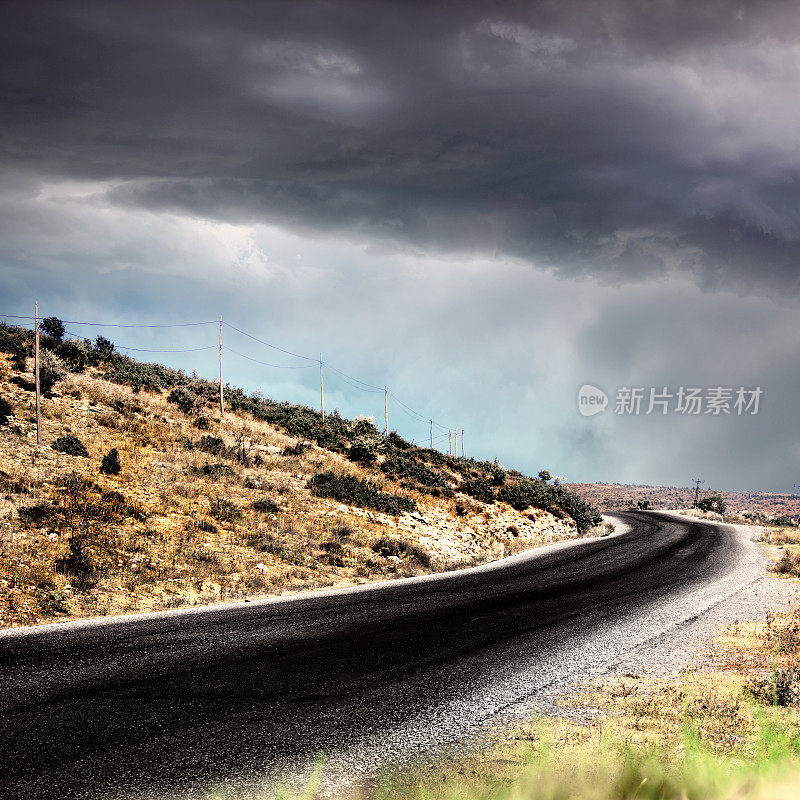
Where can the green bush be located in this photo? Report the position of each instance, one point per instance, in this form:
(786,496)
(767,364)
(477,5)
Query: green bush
(295,449)
(266,506)
(71,445)
(51,371)
(201,423)
(363,451)
(479,488)
(396,440)
(125,371)
(75,354)
(54,327)
(52,601)
(387,546)
(527,494)
(706,504)
(537,494)
(788,564)
(498,476)
(584,514)
(90,516)
(110,464)
(335,433)
(782,688)
(103,350)
(212,471)
(401,466)
(355,492)
(211,444)
(266,543)
(17,342)
(224,510)
(37,515)
(186,400)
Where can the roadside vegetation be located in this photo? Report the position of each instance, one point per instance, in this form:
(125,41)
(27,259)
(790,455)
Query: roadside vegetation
(787,542)
(142,498)
(728,730)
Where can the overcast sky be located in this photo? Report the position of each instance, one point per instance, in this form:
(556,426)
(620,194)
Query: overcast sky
(482,205)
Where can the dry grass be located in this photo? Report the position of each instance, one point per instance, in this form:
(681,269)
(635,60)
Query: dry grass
(702,734)
(199,537)
(780,536)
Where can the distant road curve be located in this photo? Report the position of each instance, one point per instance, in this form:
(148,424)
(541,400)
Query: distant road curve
(160,705)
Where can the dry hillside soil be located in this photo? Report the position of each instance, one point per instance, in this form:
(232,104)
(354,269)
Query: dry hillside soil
(180,525)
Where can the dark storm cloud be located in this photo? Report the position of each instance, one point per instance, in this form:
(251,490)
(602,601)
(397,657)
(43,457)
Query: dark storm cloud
(615,139)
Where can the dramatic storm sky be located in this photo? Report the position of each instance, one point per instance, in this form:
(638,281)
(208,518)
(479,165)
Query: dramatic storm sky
(483,206)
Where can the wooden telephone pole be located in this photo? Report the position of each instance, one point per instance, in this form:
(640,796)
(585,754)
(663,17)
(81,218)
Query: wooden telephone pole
(431,434)
(36,374)
(221,395)
(321,389)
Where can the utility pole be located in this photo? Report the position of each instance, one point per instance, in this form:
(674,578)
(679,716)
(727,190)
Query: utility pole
(321,389)
(431,434)
(386,411)
(462,444)
(38,388)
(221,395)
(449,443)
(697,483)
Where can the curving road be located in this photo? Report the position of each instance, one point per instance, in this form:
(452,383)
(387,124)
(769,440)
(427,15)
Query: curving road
(163,705)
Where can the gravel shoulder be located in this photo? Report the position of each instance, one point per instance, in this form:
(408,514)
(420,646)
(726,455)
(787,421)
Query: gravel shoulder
(687,644)
(687,630)
(660,639)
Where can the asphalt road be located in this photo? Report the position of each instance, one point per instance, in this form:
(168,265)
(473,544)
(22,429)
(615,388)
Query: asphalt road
(172,704)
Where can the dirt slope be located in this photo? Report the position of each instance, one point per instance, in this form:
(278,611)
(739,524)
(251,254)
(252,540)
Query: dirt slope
(202,509)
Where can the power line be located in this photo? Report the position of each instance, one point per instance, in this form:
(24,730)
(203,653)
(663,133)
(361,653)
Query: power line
(364,386)
(117,324)
(185,350)
(418,414)
(140,349)
(146,350)
(408,408)
(351,380)
(356,383)
(267,344)
(264,363)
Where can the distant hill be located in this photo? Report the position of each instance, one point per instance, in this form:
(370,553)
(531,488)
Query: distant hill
(142,498)
(766,506)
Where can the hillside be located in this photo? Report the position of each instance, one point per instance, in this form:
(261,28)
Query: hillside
(756,506)
(196,509)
